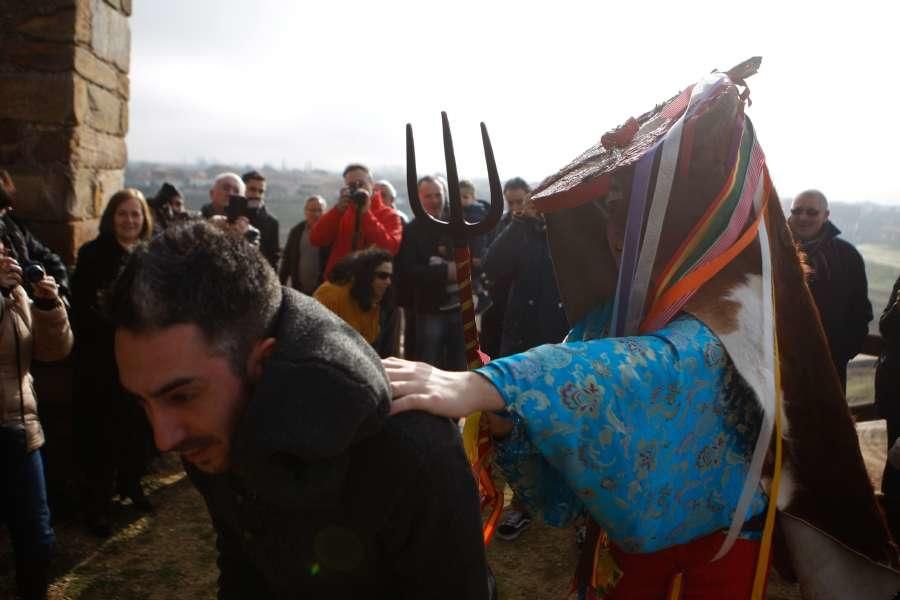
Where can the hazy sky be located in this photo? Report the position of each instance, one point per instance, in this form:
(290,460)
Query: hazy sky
(323,83)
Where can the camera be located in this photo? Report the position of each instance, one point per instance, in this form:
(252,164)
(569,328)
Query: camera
(358,194)
(237,207)
(33,273)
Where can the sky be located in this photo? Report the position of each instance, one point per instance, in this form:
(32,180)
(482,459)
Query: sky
(320,84)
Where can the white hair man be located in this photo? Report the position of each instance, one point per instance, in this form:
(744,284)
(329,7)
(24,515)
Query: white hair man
(224,186)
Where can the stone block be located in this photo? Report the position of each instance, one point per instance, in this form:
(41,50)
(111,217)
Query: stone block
(59,193)
(95,70)
(104,110)
(29,144)
(124,86)
(46,193)
(58,26)
(97,150)
(111,35)
(56,21)
(123,124)
(65,238)
(126,7)
(43,98)
(30,54)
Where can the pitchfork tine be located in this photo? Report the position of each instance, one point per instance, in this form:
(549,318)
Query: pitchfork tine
(412,178)
(457,221)
(457,226)
(496,211)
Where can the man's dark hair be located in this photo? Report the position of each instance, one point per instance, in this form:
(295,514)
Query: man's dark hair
(359,268)
(516,183)
(200,275)
(356,167)
(252,176)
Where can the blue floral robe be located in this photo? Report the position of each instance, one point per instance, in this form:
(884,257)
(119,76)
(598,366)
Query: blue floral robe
(652,435)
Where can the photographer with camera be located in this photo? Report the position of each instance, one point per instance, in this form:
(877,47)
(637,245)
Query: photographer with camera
(229,207)
(28,329)
(22,245)
(359,219)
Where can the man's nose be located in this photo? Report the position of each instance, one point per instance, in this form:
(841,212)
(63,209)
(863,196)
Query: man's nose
(168,431)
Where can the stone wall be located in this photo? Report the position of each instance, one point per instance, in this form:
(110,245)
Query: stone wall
(64,112)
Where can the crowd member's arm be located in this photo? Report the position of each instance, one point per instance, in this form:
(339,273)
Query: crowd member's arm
(500,264)
(859,310)
(384,228)
(269,242)
(290,257)
(416,269)
(87,280)
(52,334)
(889,323)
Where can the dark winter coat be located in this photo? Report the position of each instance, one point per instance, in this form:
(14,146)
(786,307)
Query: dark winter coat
(289,272)
(887,382)
(520,256)
(841,292)
(110,430)
(422,285)
(27,249)
(268,234)
(327,498)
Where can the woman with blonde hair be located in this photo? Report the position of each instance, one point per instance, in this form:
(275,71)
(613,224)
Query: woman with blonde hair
(111,434)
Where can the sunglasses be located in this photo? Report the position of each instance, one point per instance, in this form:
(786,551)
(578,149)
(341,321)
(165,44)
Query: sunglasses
(810,212)
(383,275)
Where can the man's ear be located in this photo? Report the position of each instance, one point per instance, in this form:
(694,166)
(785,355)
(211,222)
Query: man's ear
(256,361)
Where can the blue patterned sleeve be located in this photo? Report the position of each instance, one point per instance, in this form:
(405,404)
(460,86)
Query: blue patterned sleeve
(537,484)
(650,434)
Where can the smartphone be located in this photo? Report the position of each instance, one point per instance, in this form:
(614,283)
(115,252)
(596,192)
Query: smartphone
(237,207)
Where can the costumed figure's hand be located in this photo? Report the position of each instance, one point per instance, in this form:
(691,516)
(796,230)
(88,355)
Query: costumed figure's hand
(10,273)
(453,394)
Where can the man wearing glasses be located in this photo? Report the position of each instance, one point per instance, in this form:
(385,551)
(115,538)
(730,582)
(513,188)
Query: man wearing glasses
(837,279)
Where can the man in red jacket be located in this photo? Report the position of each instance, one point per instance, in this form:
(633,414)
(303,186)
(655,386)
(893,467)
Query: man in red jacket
(359,219)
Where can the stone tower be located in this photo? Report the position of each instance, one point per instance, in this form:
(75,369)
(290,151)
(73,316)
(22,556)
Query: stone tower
(64,112)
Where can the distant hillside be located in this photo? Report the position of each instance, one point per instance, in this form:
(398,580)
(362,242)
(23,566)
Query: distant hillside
(874,228)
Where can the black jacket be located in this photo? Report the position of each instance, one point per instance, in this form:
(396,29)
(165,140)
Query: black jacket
(841,292)
(327,497)
(519,260)
(26,249)
(268,231)
(422,286)
(290,259)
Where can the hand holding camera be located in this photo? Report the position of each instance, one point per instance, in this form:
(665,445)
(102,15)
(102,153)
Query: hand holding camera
(10,272)
(356,195)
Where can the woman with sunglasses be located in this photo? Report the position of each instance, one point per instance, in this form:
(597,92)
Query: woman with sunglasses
(356,287)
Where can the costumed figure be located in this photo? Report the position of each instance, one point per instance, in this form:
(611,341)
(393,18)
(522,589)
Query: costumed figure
(693,412)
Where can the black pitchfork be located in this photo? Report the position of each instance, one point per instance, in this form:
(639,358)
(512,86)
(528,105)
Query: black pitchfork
(458,228)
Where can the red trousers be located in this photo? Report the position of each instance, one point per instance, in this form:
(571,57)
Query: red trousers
(651,576)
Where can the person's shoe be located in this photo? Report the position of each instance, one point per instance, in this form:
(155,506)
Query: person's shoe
(513,524)
(138,499)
